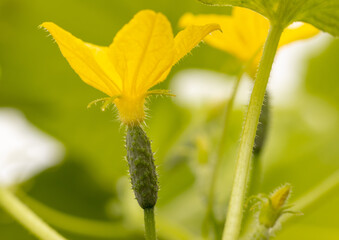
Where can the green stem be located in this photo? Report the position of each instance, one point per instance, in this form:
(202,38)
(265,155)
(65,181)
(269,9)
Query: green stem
(216,164)
(235,209)
(149,224)
(262,130)
(228,111)
(261,233)
(26,217)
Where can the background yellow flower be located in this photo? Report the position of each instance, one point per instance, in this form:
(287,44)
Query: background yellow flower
(244,33)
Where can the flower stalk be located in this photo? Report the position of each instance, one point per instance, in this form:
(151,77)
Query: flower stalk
(235,209)
(149,224)
(261,233)
(27,217)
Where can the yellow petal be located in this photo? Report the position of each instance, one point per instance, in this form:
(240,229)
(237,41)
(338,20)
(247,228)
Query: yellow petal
(186,40)
(242,33)
(90,62)
(189,38)
(280,196)
(142,51)
(290,35)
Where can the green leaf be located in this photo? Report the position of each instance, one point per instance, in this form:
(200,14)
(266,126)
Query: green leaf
(255,5)
(323,14)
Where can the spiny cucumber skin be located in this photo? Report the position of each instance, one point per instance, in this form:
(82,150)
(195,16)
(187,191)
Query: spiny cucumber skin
(141,167)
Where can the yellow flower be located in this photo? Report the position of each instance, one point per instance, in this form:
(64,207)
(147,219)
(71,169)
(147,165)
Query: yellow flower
(141,56)
(244,33)
(274,206)
(280,196)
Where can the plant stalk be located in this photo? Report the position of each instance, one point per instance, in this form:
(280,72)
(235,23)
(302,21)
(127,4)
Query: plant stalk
(27,217)
(235,208)
(216,165)
(259,143)
(149,224)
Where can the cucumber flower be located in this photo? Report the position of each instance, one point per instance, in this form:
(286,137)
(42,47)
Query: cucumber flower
(141,56)
(244,33)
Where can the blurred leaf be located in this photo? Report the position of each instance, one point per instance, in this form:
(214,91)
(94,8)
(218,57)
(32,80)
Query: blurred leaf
(70,189)
(322,77)
(13,230)
(323,14)
(309,232)
(68,198)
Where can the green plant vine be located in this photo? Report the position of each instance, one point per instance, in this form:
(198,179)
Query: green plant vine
(235,209)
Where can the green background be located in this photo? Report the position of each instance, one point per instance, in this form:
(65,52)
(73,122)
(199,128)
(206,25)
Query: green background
(92,183)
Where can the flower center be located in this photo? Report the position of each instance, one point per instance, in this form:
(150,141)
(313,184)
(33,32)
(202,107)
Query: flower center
(131,109)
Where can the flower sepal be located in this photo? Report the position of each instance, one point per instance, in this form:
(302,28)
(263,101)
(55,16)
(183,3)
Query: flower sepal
(107,102)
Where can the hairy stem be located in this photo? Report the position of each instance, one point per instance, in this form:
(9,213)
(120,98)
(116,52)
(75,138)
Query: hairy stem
(149,224)
(261,233)
(26,217)
(259,143)
(235,209)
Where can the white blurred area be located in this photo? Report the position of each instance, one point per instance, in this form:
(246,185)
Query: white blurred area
(196,87)
(24,149)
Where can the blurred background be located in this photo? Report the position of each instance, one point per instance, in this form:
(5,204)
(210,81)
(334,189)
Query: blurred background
(66,162)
